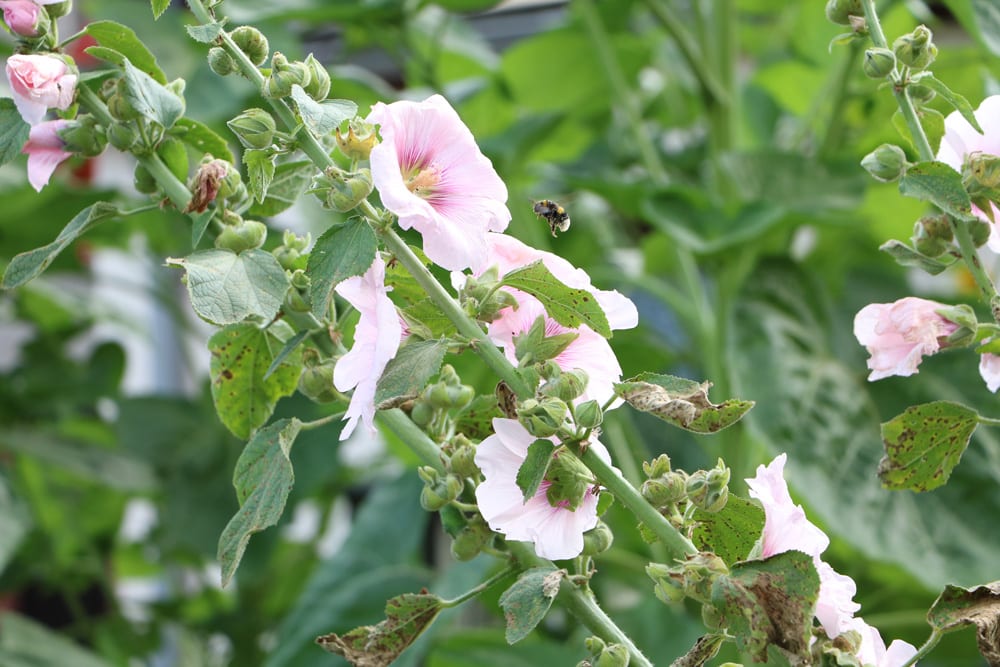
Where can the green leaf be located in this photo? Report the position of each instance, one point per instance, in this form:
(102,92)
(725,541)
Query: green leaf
(731,533)
(954,99)
(288,348)
(290,180)
(241,357)
(408,372)
(476,419)
(341,252)
(987,14)
(322,118)
(263,479)
(159,6)
(769,601)
(27,643)
(706,648)
(924,444)
(15,522)
(124,41)
(527,601)
(958,607)
(260,171)
(202,138)
(207,33)
(681,402)
(199,223)
(406,618)
(536,463)
(426,320)
(567,306)
(150,98)
(907,256)
(13,131)
(939,184)
(27,265)
(226,288)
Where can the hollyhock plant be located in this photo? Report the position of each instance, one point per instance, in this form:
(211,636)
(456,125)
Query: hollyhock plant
(376,341)
(40,83)
(961,139)
(45,150)
(556,531)
(429,171)
(898,335)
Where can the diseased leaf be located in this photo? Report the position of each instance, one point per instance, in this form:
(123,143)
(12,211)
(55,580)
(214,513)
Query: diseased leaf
(681,402)
(939,184)
(408,372)
(568,306)
(28,265)
(406,618)
(123,40)
(532,470)
(957,607)
(263,479)
(290,180)
(150,98)
(426,320)
(924,444)
(322,118)
(528,599)
(341,252)
(730,533)
(13,131)
(241,357)
(226,287)
(703,650)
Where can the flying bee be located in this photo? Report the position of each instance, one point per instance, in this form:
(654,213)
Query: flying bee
(555,214)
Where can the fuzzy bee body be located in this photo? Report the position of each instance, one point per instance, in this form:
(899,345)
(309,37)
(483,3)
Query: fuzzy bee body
(554,214)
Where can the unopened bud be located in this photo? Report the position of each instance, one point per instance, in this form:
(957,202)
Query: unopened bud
(360,139)
(658,466)
(665,490)
(246,235)
(59,9)
(542,418)
(598,539)
(980,231)
(284,75)
(220,61)
(319,79)
(920,94)
(316,382)
(588,414)
(839,11)
(932,235)
(252,42)
(470,540)
(915,50)
(440,492)
(254,128)
(614,655)
(886,164)
(704,495)
(122,136)
(879,63)
(669,582)
(567,385)
(463,460)
(343,191)
(84,136)
(120,108)
(214,178)
(143,181)
(570,481)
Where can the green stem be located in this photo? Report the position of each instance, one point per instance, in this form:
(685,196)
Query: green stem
(581,603)
(318,331)
(467,327)
(678,545)
(712,91)
(927,647)
(399,423)
(489,583)
(322,421)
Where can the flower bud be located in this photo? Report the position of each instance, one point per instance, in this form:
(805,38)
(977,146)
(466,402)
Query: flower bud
(25,18)
(462,461)
(220,61)
(658,466)
(246,235)
(422,413)
(439,492)
(963,316)
(920,94)
(707,490)
(879,63)
(84,136)
(567,385)
(839,11)
(360,139)
(206,183)
(143,181)
(59,9)
(932,235)
(251,42)
(570,481)
(614,655)
(589,415)
(343,191)
(284,75)
(123,136)
(469,541)
(542,418)
(120,108)
(594,644)
(598,539)
(254,128)
(886,164)
(316,381)
(915,50)
(700,572)
(319,79)
(665,490)
(980,230)
(669,582)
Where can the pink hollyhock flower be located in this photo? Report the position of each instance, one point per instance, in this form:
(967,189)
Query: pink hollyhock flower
(556,531)
(376,341)
(873,651)
(989,370)
(590,352)
(21,16)
(898,335)
(835,606)
(40,83)
(429,171)
(961,139)
(45,150)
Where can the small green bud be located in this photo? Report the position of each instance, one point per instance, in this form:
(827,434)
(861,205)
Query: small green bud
(932,235)
(143,181)
(316,381)
(360,139)
(440,492)
(254,128)
(614,655)
(589,415)
(220,61)
(598,539)
(252,42)
(915,50)
(658,466)
(59,9)
(666,489)
(669,582)
(980,231)
(570,481)
(920,94)
(886,164)
(247,235)
(319,79)
(463,460)
(122,136)
(879,63)
(700,572)
(567,385)
(343,191)
(284,75)
(542,418)
(120,108)
(839,11)
(299,279)
(84,136)
(707,490)
(469,541)
(177,87)
(422,413)
(594,644)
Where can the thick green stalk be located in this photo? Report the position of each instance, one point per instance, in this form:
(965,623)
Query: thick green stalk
(581,603)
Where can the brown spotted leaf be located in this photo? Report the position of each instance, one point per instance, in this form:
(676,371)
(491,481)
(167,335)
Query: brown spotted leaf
(568,306)
(681,402)
(924,444)
(771,601)
(406,618)
(528,599)
(980,605)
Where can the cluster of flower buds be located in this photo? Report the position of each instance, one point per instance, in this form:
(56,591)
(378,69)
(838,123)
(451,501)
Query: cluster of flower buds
(316,381)
(842,11)
(341,190)
(310,74)
(439,489)
(693,578)
(481,299)
(665,488)
(915,49)
(603,654)
(247,39)
(433,408)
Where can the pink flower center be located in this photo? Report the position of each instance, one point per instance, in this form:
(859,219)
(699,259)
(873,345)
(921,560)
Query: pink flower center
(421,181)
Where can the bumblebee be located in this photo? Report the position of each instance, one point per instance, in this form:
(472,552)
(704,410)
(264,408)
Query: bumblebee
(555,214)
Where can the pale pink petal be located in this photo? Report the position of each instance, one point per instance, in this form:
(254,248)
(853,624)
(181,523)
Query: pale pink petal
(45,150)
(989,370)
(39,83)
(21,16)
(786,527)
(376,341)
(898,654)
(899,335)
(835,606)
(872,650)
